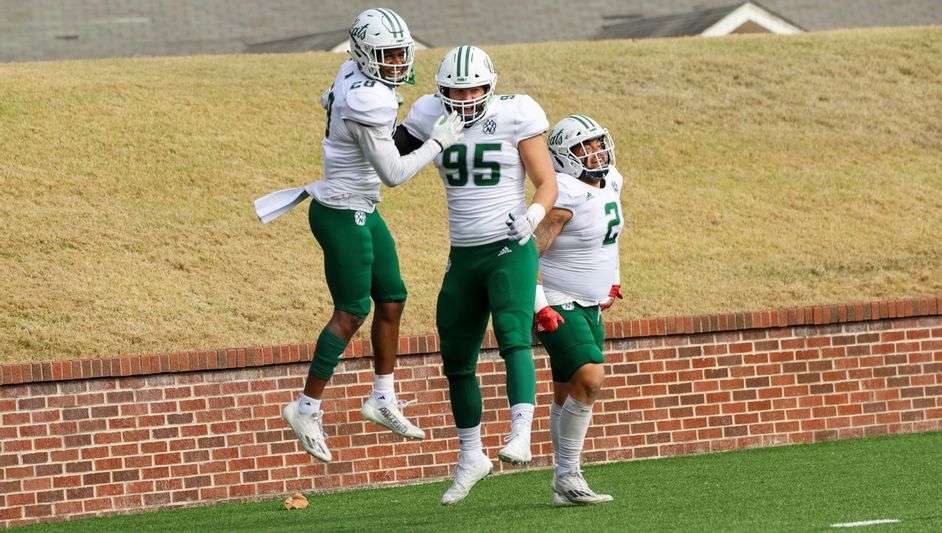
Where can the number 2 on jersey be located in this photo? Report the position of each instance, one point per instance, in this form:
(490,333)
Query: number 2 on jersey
(612,210)
(455,162)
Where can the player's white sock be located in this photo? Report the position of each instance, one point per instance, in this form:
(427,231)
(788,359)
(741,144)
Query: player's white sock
(521,418)
(469,444)
(573,425)
(308,405)
(384,387)
(556,411)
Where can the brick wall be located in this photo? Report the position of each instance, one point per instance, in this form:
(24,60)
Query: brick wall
(118,435)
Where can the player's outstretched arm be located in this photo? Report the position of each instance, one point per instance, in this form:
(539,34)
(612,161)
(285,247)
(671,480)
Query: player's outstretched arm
(405,142)
(380,149)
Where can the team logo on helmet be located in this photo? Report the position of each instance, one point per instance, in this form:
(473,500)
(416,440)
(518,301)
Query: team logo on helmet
(557,138)
(489,126)
(358,32)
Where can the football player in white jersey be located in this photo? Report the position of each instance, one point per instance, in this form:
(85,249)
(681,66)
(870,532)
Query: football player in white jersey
(360,260)
(492,265)
(578,243)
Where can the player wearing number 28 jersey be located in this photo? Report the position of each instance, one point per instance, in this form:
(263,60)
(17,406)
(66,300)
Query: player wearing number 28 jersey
(492,266)
(360,261)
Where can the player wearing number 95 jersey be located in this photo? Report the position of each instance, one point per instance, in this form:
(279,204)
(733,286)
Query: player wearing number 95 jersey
(578,243)
(493,262)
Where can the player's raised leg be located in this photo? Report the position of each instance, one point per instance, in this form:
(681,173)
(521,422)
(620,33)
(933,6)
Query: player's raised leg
(389,295)
(461,319)
(348,260)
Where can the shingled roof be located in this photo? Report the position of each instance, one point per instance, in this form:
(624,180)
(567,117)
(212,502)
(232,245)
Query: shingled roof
(52,29)
(676,25)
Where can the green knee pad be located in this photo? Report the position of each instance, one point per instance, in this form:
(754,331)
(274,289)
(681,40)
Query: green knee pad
(327,354)
(521,376)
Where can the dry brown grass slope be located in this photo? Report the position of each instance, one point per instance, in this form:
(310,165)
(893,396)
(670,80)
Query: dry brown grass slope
(761,172)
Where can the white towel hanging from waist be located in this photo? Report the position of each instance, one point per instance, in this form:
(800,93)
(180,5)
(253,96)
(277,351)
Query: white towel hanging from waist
(273,205)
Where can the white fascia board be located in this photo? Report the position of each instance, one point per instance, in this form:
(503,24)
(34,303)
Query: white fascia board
(750,12)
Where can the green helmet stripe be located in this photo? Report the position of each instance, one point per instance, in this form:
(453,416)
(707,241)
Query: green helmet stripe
(592,123)
(391,17)
(386,16)
(467,60)
(580,120)
(458,65)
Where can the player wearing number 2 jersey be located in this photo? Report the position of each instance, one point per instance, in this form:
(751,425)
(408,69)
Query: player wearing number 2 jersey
(492,265)
(578,243)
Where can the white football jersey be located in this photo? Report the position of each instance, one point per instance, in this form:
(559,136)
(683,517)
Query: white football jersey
(483,173)
(349,181)
(582,263)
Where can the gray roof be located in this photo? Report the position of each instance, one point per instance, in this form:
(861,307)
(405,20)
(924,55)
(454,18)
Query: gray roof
(680,24)
(67,29)
(324,40)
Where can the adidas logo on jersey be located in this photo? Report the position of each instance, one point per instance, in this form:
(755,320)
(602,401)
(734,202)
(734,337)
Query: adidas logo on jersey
(504,251)
(588,196)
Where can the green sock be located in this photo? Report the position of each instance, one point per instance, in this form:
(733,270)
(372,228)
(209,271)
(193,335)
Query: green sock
(521,376)
(327,354)
(465,394)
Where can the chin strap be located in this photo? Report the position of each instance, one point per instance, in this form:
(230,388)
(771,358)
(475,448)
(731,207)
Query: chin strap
(593,175)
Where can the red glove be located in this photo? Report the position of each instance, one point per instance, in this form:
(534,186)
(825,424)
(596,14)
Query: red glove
(548,320)
(614,292)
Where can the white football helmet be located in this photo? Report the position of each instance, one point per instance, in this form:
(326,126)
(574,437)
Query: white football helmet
(577,131)
(466,67)
(373,36)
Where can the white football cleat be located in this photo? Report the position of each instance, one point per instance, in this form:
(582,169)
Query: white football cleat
(389,415)
(572,489)
(465,478)
(309,429)
(517,448)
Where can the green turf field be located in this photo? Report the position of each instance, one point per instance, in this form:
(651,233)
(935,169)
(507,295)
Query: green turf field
(794,488)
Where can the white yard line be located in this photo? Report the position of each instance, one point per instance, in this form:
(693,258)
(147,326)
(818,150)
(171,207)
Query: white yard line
(867,522)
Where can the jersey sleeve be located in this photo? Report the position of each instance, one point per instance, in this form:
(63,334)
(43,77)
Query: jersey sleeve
(531,120)
(371,105)
(567,198)
(422,116)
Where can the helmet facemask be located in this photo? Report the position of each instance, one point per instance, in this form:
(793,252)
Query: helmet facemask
(597,156)
(466,68)
(469,110)
(380,62)
(580,147)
